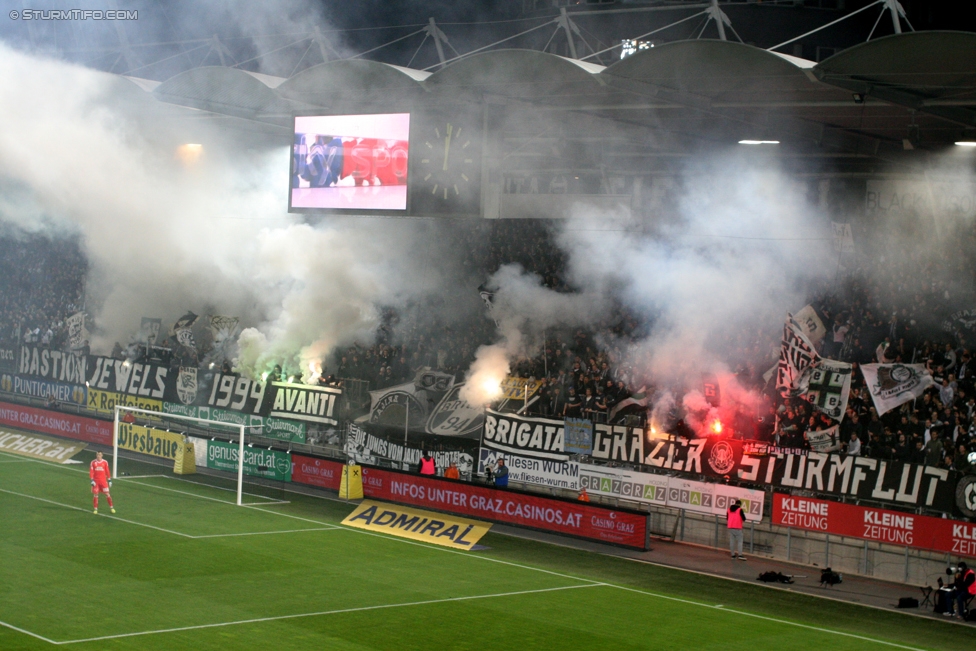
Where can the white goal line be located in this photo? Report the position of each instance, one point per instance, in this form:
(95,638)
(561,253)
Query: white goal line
(338,611)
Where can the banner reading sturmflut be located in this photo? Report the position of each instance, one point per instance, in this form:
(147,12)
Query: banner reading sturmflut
(892,385)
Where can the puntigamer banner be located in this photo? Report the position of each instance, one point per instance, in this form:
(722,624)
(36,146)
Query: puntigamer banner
(47,389)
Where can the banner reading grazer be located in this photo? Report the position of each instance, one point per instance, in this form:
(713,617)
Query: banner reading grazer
(870,479)
(878,525)
(617,526)
(449,531)
(52,422)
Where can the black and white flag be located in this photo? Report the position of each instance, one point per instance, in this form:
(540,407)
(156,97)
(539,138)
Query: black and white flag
(184,335)
(149,330)
(796,356)
(891,385)
(77,332)
(222,328)
(828,386)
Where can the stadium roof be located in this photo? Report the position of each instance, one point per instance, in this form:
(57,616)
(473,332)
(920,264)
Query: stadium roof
(879,101)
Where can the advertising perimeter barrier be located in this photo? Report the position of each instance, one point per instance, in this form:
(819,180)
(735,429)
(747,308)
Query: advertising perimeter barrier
(570,517)
(46,421)
(876,525)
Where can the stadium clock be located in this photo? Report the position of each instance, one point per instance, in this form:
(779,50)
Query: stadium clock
(449,161)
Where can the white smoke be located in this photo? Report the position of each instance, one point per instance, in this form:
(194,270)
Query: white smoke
(90,153)
(524,309)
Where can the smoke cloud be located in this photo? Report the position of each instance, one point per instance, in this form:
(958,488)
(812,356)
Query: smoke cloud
(89,153)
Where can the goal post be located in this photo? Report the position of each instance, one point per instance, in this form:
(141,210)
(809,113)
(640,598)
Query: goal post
(240,429)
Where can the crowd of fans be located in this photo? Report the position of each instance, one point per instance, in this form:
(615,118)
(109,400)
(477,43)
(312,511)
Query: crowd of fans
(41,284)
(890,303)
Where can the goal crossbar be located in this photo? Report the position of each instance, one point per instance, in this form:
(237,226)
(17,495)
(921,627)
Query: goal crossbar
(233,426)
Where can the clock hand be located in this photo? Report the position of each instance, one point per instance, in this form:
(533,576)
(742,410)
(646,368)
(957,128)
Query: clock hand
(447,144)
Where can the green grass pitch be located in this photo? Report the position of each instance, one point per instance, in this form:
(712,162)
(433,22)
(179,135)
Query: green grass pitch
(181,567)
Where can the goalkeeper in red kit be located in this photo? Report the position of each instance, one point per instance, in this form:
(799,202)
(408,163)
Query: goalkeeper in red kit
(101,480)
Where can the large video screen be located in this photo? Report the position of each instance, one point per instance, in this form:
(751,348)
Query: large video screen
(350,162)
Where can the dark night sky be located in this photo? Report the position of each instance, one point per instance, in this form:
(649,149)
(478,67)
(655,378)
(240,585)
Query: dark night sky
(251,28)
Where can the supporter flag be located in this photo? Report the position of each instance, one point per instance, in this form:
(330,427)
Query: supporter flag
(828,386)
(149,330)
(843,238)
(796,355)
(711,390)
(77,332)
(638,400)
(892,385)
(801,372)
(222,328)
(811,324)
(182,330)
(827,440)
(579,435)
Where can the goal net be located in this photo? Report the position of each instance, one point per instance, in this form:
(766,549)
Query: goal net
(160,435)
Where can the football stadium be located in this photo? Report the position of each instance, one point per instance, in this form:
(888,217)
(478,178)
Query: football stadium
(530,324)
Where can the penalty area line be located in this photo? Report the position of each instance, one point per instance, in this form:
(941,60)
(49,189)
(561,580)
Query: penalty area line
(329,612)
(26,632)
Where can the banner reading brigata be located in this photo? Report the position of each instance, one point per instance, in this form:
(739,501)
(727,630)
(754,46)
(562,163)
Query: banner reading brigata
(52,422)
(877,525)
(621,527)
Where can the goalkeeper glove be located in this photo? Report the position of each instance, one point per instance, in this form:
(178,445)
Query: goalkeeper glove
(93,482)
(109,483)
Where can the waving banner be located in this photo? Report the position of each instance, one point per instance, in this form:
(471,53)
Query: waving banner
(891,385)
(77,332)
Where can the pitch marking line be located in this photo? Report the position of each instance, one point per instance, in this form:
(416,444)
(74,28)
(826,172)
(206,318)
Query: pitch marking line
(538,569)
(220,488)
(326,612)
(169,531)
